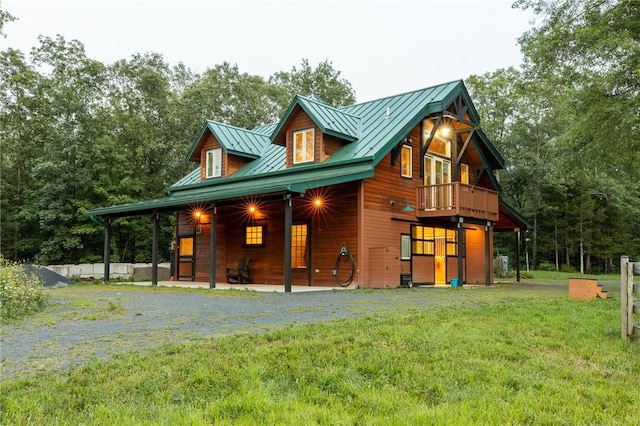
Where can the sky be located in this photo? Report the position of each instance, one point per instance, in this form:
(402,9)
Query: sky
(381,47)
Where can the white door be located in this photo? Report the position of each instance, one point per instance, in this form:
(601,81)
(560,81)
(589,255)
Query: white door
(437,173)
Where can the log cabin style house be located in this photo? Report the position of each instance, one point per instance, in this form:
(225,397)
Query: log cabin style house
(360,195)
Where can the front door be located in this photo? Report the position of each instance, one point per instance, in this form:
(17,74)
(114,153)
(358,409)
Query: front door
(186,257)
(437,173)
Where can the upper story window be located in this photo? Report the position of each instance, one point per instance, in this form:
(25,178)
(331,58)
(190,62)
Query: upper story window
(406,164)
(464,173)
(303,146)
(213,164)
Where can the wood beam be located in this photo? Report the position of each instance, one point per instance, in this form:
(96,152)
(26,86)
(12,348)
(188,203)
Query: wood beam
(464,146)
(154,248)
(460,253)
(425,144)
(288,223)
(518,237)
(213,239)
(107,249)
(488,255)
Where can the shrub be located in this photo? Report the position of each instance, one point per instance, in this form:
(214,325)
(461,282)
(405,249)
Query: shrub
(20,294)
(523,274)
(546,266)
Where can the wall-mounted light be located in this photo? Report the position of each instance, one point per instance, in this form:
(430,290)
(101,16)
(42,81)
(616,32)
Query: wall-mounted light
(407,208)
(317,202)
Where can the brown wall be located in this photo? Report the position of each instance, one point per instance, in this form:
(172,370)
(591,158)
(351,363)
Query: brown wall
(330,228)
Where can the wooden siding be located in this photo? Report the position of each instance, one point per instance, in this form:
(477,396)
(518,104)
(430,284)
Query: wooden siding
(330,144)
(475,255)
(330,229)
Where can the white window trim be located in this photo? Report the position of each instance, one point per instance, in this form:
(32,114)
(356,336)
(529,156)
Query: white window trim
(410,174)
(213,155)
(304,146)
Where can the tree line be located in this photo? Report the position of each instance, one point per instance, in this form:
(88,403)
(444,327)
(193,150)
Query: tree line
(77,134)
(568,125)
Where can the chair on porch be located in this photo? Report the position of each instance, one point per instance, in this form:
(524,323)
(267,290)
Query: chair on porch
(241,275)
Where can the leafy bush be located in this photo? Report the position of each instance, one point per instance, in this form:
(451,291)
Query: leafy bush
(523,274)
(546,266)
(20,294)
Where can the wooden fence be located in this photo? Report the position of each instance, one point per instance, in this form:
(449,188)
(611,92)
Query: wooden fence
(627,290)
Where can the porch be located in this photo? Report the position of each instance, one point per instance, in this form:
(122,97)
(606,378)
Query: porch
(457,199)
(261,288)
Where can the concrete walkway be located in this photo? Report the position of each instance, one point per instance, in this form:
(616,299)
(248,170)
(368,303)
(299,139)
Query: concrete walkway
(265,288)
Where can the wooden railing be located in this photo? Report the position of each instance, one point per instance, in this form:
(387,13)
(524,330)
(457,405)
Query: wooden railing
(627,290)
(457,199)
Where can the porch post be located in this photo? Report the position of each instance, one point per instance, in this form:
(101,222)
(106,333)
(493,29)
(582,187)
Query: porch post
(460,252)
(107,249)
(213,237)
(154,248)
(288,222)
(517,254)
(488,256)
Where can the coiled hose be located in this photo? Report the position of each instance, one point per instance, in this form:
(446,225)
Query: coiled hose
(344,258)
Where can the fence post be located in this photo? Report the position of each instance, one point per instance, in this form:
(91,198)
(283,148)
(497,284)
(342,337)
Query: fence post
(624,296)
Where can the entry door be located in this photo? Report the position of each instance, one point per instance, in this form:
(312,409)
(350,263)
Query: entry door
(186,257)
(437,171)
(300,253)
(440,256)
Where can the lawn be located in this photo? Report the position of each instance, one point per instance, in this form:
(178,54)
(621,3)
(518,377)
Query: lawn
(506,355)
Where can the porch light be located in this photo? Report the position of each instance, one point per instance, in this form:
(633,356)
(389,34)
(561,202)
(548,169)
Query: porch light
(197,215)
(407,208)
(445,131)
(252,209)
(317,202)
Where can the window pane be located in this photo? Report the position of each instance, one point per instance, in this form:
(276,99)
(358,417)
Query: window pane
(405,247)
(309,146)
(186,246)
(254,235)
(406,163)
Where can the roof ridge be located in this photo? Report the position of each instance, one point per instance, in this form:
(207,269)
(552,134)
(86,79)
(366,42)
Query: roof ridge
(329,106)
(402,94)
(237,127)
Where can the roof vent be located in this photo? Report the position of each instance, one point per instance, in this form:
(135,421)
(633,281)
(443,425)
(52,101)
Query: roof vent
(388,113)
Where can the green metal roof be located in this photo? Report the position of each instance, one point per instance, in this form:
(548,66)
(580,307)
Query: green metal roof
(373,128)
(331,121)
(234,140)
(220,190)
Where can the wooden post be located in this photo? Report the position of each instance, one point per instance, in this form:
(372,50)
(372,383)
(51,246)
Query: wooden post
(288,223)
(107,249)
(517,254)
(154,248)
(488,256)
(627,290)
(213,239)
(460,253)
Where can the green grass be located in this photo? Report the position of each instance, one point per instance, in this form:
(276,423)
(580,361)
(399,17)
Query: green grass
(494,356)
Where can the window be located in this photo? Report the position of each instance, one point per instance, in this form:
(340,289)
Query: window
(434,241)
(303,146)
(254,236)
(464,173)
(299,246)
(406,163)
(423,242)
(405,247)
(213,166)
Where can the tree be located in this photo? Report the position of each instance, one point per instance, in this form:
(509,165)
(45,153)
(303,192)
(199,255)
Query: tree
(323,81)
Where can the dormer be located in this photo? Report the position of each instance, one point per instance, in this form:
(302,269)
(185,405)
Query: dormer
(312,131)
(222,149)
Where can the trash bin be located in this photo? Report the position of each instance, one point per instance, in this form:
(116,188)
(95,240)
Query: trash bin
(454,283)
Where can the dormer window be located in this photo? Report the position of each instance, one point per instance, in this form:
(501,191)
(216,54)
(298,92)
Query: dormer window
(303,146)
(213,164)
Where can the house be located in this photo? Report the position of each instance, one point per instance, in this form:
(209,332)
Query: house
(359,194)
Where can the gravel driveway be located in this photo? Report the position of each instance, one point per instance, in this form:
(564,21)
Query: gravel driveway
(89,322)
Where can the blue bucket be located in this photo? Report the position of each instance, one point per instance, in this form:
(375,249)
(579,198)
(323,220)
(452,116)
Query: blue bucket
(454,283)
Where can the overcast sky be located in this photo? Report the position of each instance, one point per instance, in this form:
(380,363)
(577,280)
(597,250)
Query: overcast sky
(381,47)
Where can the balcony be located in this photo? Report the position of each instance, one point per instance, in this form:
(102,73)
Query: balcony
(457,199)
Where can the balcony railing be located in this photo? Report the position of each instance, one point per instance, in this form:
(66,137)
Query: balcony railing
(457,199)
